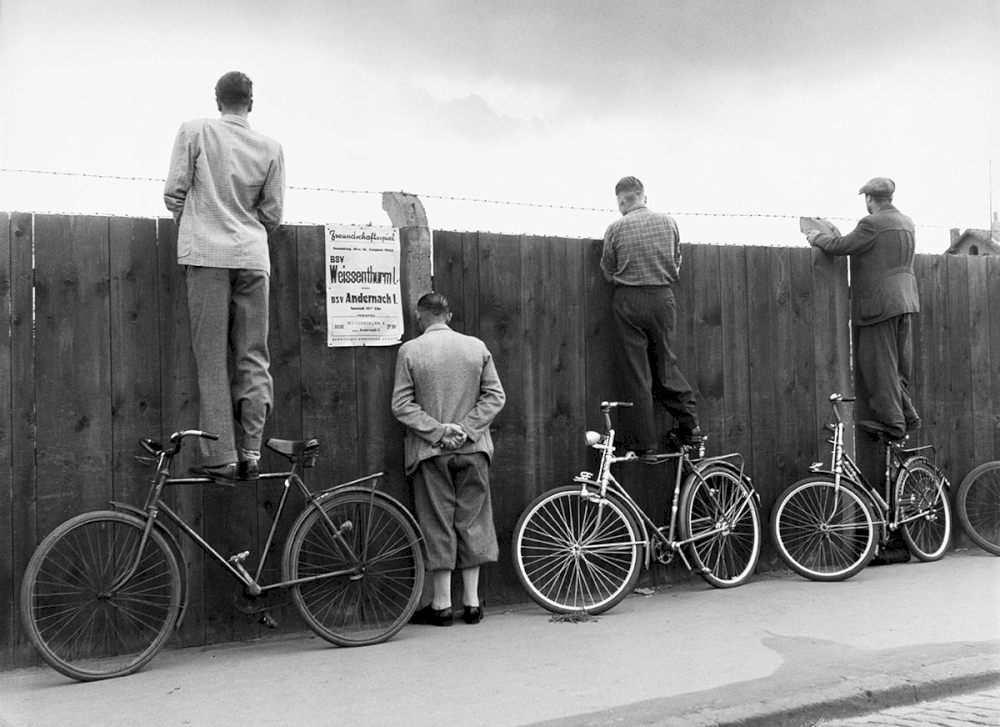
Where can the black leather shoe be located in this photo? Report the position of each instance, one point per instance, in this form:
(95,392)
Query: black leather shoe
(652,456)
(891,434)
(472,615)
(218,472)
(689,437)
(249,469)
(429,616)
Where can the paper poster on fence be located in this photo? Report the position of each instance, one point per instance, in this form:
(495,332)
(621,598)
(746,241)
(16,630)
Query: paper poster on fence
(363,299)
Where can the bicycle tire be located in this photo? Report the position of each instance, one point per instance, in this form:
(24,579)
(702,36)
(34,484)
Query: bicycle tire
(978,504)
(77,626)
(720,498)
(824,532)
(383,556)
(922,509)
(572,554)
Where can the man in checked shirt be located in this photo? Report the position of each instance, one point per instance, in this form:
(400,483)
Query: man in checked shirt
(226,189)
(642,259)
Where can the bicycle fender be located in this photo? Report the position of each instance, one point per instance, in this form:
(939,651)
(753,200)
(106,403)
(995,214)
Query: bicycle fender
(171,541)
(366,491)
(924,460)
(732,469)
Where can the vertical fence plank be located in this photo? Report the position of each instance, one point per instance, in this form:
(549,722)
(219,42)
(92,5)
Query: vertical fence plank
(285,421)
(6,454)
(135,352)
(500,326)
(993,304)
(960,354)
(535,326)
(603,372)
(73,416)
(761,333)
(735,434)
(802,397)
(568,402)
(980,368)
(179,410)
(708,368)
(831,342)
(23,435)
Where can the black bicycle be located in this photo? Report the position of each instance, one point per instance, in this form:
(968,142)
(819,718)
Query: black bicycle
(827,526)
(105,590)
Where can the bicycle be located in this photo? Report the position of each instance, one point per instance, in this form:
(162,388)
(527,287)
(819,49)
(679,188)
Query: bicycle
(978,505)
(103,592)
(827,527)
(578,548)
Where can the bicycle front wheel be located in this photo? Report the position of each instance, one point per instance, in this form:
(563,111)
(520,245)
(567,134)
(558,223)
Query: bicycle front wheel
(573,553)
(922,509)
(719,515)
(978,502)
(823,531)
(358,569)
(82,620)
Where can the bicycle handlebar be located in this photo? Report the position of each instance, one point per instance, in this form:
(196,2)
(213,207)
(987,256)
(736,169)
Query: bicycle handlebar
(607,406)
(839,399)
(177,436)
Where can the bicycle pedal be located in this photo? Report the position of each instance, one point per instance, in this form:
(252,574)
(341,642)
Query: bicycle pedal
(267,620)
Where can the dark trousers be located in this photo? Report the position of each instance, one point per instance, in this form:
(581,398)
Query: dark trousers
(645,318)
(885,361)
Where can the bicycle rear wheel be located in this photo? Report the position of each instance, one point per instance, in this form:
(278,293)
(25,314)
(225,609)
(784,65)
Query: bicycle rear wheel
(80,619)
(922,509)
(824,532)
(978,502)
(720,510)
(572,553)
(365,566)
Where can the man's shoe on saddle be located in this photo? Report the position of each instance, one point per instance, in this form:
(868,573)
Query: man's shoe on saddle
(893,434)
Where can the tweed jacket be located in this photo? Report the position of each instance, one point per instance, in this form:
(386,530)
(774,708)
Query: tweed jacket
(882,281)
(226,191)
(443,376)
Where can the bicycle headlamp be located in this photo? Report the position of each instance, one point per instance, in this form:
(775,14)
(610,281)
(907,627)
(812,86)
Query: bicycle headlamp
(592,438)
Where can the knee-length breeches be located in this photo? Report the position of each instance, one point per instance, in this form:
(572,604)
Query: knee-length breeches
(451,493)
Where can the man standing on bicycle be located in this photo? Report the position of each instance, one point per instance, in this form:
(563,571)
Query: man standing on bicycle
(226,188)
(642,259)
(447,394)
(883,300)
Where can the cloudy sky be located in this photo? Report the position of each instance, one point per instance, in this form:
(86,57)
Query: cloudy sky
(739,115)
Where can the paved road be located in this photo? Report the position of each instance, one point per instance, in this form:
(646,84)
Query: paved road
(777,651)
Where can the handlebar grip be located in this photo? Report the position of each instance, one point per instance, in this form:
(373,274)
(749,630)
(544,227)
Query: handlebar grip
(177,436)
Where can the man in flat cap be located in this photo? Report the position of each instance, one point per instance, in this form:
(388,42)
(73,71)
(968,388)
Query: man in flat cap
(225,188)
(883,300)
(642,259)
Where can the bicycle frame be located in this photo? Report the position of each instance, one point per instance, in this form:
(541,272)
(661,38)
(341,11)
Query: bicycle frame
(155,505)
(843,466)
(606,481)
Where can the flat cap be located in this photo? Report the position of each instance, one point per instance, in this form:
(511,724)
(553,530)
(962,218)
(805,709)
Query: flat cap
(878,187)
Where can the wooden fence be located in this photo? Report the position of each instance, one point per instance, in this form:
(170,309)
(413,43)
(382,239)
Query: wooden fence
(98,355)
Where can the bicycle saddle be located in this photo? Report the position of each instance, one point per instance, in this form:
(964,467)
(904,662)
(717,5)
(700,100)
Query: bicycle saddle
(292,448)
